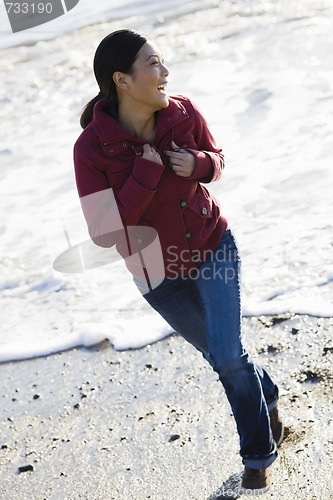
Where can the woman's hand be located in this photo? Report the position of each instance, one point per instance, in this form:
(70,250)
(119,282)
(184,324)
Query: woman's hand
(150,153)
(181,161)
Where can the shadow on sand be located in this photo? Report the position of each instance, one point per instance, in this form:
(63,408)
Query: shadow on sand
(229,490)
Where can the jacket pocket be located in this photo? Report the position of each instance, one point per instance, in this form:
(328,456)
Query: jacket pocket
(202,206)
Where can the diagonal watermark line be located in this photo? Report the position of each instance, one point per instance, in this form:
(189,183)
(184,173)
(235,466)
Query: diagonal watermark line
(64,5)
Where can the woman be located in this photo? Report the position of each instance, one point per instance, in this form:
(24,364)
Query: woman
(151,153)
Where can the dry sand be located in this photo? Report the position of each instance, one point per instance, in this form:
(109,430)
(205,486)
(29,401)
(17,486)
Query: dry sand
(154,423)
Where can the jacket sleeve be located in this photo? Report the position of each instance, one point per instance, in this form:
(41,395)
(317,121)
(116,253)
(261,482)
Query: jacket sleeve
(107,209)
(209,160)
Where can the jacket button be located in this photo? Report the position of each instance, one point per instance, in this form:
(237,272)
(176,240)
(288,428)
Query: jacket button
(204,211)
(188,234)
(124,144)
(183,203)
(169,119)
(111,150)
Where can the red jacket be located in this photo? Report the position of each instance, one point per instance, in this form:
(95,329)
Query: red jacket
(182,211)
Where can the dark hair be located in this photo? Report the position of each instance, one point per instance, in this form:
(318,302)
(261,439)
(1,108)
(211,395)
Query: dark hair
(116,52)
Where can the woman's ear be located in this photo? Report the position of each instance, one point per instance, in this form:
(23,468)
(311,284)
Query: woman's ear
(120,80)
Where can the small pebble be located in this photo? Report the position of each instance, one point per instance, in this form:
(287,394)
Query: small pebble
(25,468)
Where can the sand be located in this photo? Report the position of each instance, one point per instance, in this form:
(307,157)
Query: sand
(154,423)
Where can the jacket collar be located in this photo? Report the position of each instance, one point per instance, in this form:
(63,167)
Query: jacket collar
(109,131)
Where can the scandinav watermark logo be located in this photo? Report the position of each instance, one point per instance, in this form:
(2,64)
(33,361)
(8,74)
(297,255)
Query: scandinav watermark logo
(24,15)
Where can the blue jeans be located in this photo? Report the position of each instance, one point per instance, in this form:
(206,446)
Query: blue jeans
(205,309)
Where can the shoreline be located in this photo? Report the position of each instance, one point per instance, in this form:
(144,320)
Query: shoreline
(96,423)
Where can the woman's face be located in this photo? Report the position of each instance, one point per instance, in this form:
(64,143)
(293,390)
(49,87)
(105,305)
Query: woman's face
(146,84)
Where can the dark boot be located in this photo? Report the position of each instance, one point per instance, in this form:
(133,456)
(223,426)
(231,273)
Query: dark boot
(256,481)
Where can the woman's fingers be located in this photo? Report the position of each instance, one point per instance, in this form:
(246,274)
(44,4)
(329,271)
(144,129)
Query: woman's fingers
(181,161)
(182,172)
(175,157)
(150,153)
(175,147)
(148,150)
(176,151)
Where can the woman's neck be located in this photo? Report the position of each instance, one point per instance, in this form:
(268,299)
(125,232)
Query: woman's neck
(138,122)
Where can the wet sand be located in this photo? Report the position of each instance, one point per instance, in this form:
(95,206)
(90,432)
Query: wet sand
(154,423)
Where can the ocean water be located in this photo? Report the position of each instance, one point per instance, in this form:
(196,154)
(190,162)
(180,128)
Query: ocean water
(261,72)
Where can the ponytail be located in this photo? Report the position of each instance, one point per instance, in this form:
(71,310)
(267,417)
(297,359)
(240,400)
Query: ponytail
(88,111)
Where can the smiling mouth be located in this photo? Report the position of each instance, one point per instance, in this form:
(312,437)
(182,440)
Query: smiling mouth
(161,88)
